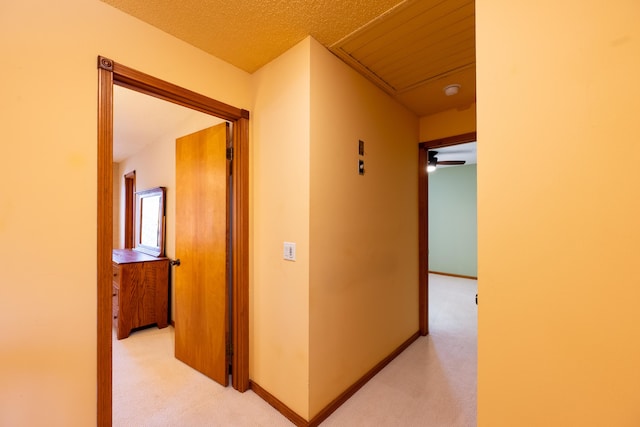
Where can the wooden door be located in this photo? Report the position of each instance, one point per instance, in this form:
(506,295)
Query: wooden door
(201,292)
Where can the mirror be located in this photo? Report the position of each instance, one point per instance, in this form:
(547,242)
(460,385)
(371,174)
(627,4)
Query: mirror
(150,221)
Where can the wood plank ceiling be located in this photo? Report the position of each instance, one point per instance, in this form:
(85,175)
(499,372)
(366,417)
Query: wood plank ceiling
(415,51)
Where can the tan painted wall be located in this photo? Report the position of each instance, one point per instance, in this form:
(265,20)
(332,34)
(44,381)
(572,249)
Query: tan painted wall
(279,337)
(448,123)
(312,336)
(558,213)
(49,175)
(363,277)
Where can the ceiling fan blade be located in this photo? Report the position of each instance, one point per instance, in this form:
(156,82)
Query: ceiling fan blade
(451,162)
(447,151)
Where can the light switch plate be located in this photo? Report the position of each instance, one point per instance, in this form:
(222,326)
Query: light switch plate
(289,251)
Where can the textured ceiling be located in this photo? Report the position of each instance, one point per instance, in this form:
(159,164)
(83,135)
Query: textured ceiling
(250,33)
(411,49)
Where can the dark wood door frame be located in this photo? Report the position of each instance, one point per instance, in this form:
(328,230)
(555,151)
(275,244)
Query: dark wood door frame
(129,209)
(423,220)
(111,73)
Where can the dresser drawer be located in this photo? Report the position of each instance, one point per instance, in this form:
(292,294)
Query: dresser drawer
(115,305)
(116,274)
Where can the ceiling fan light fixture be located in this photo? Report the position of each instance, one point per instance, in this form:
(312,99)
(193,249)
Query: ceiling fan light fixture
(433,162)
(452,89)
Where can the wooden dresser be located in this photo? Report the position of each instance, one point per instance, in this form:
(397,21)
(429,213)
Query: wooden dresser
(140,291)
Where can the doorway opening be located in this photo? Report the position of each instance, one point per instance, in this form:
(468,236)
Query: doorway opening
(423,219)
(111,73)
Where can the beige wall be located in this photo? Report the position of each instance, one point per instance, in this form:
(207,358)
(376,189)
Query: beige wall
(363,277)
(279,329)
(558,213)
(48,251)
(319,323)
(448,123)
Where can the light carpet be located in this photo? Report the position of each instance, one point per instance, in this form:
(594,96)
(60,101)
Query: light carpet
(432,383)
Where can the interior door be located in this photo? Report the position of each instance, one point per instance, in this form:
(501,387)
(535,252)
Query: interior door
(201,292)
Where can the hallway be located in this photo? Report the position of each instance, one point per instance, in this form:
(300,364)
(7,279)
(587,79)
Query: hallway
(432,383)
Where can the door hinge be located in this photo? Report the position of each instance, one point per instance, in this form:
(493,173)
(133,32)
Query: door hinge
(229,153)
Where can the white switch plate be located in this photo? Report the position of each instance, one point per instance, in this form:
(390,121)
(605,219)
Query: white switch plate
(289,251)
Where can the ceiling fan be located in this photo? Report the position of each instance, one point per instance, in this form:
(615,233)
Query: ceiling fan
(433,162)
